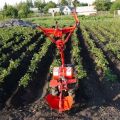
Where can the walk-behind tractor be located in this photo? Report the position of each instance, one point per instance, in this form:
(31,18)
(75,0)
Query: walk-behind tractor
(63,83)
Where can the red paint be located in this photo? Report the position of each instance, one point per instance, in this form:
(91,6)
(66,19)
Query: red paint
(63,78)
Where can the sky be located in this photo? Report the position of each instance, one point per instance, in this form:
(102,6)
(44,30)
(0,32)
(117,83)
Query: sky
(13,2)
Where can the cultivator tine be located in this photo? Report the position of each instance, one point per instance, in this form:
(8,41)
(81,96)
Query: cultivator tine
(53,102)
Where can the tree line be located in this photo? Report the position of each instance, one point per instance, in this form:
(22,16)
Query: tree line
(22,10)
(107,5)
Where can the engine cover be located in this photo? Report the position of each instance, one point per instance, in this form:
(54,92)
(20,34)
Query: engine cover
(66,72)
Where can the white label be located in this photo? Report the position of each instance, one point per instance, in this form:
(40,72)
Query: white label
(56,71)
(68,71)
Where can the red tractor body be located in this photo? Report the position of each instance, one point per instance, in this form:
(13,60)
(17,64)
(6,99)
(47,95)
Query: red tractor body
(62,78)
(63,82)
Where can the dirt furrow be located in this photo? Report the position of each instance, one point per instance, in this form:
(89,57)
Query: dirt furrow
(90,87)
(113,62)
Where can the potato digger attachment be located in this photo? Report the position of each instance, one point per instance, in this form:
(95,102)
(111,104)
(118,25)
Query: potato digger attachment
(63,83)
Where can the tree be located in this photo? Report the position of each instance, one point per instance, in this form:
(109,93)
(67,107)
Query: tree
(115,5)
(4,9)
(40,5)
(49,5)
(83,4)
(29,2)
(76,3)
(5,6)
(24,10)
(10,11)
(103,5)
(64,2)
(37,3)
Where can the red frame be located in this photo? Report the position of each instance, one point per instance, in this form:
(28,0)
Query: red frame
(55,101)
(60,32)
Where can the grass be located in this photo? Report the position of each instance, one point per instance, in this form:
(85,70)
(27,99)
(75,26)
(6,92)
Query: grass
(68,20)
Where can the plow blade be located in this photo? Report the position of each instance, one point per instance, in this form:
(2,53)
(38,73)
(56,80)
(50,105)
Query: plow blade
(53,102)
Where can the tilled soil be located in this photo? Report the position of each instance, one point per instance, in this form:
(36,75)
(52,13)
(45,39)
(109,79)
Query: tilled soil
(96,98)
(93,103)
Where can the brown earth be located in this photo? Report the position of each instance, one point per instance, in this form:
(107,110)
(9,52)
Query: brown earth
(96,98)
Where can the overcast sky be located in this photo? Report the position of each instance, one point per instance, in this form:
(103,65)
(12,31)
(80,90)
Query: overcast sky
(12,2)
